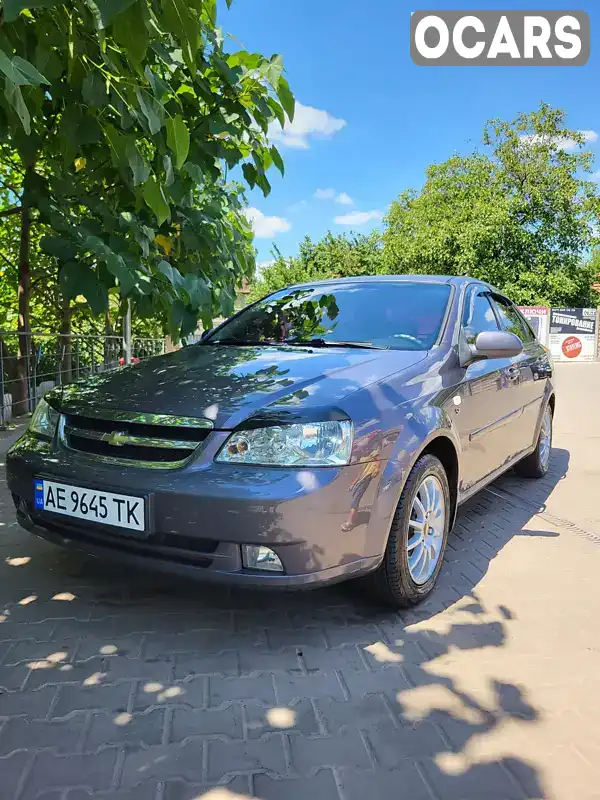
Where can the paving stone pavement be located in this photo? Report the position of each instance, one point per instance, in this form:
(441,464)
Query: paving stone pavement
(119,686)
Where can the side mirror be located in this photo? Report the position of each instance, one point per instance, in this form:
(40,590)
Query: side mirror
(496,344)
(205,334)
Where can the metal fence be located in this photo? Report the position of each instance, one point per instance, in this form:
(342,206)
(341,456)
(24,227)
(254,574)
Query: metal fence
(31,364)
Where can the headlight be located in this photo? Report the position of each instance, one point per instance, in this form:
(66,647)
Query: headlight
(311,444)
(44,420)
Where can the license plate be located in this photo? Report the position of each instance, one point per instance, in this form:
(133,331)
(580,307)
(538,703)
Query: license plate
(107,508)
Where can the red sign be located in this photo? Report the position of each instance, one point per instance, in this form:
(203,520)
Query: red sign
(572,347)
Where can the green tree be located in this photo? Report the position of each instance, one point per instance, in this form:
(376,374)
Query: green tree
(332,257)
(519,214)
(122,120)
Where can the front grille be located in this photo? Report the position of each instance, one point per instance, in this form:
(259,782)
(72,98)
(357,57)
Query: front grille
(147,440)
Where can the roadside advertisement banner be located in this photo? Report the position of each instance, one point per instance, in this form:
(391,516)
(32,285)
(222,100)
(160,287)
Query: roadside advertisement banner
(539,318)
(573,334)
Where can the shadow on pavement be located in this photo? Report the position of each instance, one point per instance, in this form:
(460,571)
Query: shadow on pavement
(335,661)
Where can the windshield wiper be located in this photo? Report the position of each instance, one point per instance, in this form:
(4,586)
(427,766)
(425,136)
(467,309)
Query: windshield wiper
(326,343)
(294,342)
(242,342)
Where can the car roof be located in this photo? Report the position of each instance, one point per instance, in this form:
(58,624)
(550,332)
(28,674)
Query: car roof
(452,280)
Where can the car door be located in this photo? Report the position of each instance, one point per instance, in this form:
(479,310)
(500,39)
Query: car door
(525,383)
(487,404)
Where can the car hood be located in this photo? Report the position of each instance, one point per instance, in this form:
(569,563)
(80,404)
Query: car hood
(227,384)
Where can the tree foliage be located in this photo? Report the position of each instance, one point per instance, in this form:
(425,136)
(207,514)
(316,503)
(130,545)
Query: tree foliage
(121,120)
(518,214)
(332,257)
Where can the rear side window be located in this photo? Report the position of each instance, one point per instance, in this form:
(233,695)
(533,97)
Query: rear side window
(511,319)
(478,315)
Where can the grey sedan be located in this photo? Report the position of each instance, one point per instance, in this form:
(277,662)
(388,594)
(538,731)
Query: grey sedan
(326,432)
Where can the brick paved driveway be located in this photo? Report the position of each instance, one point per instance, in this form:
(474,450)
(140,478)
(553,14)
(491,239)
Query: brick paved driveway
(116,685)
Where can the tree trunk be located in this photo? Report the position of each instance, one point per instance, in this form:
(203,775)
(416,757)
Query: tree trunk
(65,359)
(21,387)
(110,354)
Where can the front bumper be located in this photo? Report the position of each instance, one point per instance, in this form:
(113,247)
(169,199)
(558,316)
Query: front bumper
(202,514)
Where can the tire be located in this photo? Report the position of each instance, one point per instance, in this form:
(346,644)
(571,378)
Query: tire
(536,464)
(393,582)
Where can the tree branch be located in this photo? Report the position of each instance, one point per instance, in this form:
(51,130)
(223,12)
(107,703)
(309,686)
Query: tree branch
(10,188)
(10,211)
(10,264)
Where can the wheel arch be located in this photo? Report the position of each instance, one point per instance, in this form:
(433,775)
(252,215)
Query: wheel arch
(443,448)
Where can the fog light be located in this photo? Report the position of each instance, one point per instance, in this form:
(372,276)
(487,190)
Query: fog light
(258,557)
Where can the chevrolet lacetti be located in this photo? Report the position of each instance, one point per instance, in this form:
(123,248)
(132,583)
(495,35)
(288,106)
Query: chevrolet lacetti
(326,432)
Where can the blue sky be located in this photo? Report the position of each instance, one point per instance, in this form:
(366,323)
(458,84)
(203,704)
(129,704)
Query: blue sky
(382,119)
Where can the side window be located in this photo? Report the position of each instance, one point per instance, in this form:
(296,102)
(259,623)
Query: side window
(478,315)
(511,319)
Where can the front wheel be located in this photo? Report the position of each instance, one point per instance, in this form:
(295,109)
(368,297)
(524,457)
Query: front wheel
(417,540)
(536,464)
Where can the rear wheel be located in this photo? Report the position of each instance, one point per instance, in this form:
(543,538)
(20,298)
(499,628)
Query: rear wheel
(536,464)
(418,536)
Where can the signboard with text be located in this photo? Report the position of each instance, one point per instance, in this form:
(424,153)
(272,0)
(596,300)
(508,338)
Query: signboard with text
(573,334)
(538,318)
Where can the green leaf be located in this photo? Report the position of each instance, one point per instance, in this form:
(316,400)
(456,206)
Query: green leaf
(171,273)
(159,87)
(277,110)
(250,174)
(76,279)
(29,71)
(198,290)
(264,184)
(227,301)
(95,245)
(155,198)
(184,26)
(105,10)
(19,71)
(151,110)
(69,279)
(166,269)
(12,8)
(117,267)
(277,159)
(286,98)
(195,173)
(272,70)
(117,143)
(93,90)
(130,31)
(178,139)
(138,166)
(60,248)
(15,98)
(48,62)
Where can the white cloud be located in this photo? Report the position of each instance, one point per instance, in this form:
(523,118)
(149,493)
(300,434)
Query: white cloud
(358,217)
(308,121)
(344,199)
(266,227)
(564,143)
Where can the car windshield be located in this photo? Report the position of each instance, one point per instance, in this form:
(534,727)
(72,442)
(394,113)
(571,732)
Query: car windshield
(399,316)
